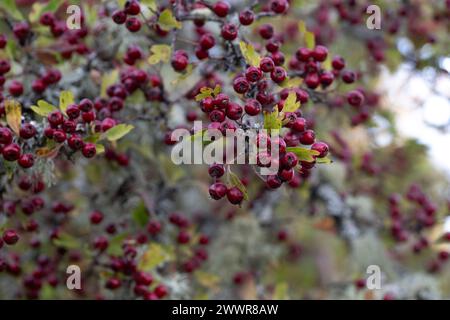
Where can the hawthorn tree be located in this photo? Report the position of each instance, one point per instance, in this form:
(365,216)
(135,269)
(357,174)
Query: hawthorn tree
(88,114)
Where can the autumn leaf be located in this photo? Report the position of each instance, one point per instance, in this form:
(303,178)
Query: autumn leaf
(249,53)
(65,99)
(291,104)
(13,115)
(167,21)
(160,53)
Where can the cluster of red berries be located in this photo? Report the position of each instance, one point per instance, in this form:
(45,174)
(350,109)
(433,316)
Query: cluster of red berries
(128,14)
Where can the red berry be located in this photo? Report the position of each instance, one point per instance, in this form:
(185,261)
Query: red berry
(217,190)
(221,8)
(119,16)
(133,24)
(89,150)
(38,86)
(241,85)
(10,237)
(96,217)
(266,31)
(266,64)
(229,31)
(312,80)
(201,54)
(320,147)
(132,7)
(3,41)
(27,131)
(59,136)
(253,74)
(179,61)
(278,75)
(6,136)
(5,66)
(286,174)
(303,54)
(216,170)
(235,195)
(113,283)
(246,17)
(75,142)
(338,63)
(72,111)
(326,78)
(273,182)
(252,107)
(348,76)
(207,41)
(11,152)
(47,19)
(15,88)
(307,137)
(355,98)
(183,237)
(26,160)
(234,111)
(320,53)
(289,160)
(21,30)
(86,105)
(279,6)
(161,291)
(217,116)
(55,118)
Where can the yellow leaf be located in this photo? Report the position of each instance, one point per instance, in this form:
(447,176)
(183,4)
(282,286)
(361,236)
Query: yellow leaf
(249,53)
(43,108)
(236,182)
(13,115)
(167,21)
(160,52)
(291,104)
(99,148)
(108,79)
(65,99)
(272,120)
(301,26)
(154,256)
(310,40)
(281,291)
(291,83)
(204,93)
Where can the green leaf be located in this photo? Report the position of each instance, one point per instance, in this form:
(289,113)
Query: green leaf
(108,79)
(99,148)
(325,160)
(117,132)
(65,99)
(43,108)
(160,52)
(9,6)
(67,241)
(291,82)
(291,104)
(236,182)
(281,291)
(150,3)
(249,53)
(303,154)
(167,21)
(115,245)
(272,120)
(216,90)
(154,256)
(140,214)
(310,40)
(205,92)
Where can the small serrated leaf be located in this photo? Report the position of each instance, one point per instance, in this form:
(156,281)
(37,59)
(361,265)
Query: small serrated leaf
(154,256)
(249,53)
(204,93)
(117,132)
(99,148)
(160,53)
(65,99)
(303,154)
(108,79)
(236,182)
(167,21)
(272,120)
(291,104)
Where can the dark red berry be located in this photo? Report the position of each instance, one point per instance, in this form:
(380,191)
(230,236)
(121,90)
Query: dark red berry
(11,152)
(89,150)
(55,118)
(10,237)
(207,41)
(320,53)
(279,6)
(6,136)
(234,111)
(266,64)
(273,182)
(278,74)
(132,7)
(26,160)
(253,74)
(216,170)
(235,195)
(119,16)
(252,107)
(133,24)
(266,31)
(246,17)
(241,85)
(355,98)
(229,31)
(338,63)
(320,147)
(308,137)
(221,8)
(217,190)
